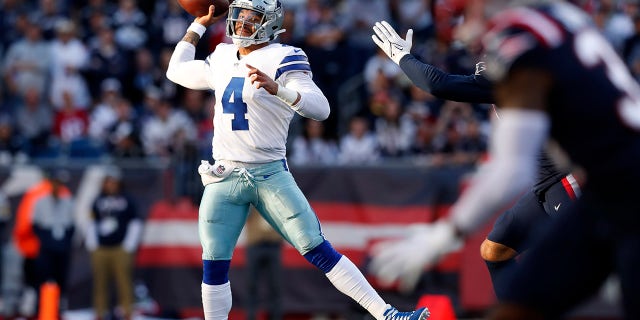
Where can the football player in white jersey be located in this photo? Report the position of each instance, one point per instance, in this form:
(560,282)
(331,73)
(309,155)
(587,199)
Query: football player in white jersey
(259,85)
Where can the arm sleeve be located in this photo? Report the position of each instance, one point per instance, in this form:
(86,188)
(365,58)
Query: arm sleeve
(186,71)
(23,235)
(463,88)
(91,235)
(313,104)
(510,171)
(133,235)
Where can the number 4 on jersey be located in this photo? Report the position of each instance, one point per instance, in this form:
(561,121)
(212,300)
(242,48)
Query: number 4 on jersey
(232,103)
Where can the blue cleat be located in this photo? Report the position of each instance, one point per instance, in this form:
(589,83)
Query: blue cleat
(393,314)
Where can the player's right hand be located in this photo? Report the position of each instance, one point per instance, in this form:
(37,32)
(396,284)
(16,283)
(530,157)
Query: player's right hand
(209,19)
(390,42)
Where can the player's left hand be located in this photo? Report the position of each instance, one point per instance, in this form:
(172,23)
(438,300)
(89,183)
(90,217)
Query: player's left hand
(390,42)
(261,80)
(404,260)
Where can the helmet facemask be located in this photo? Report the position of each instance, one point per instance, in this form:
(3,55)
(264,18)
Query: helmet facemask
(263,21)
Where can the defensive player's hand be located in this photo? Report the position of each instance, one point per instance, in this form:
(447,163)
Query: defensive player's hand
(405,260)
(209,19)
(261,80)
(390,42)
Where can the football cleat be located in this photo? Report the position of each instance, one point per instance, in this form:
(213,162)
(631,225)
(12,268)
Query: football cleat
(393,314)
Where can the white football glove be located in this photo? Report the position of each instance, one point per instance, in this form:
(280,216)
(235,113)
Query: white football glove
(390,42)
(404,260)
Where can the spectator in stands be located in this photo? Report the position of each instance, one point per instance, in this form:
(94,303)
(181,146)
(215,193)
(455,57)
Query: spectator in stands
(123,139)
(631,49)
(13,21)
(422,105)
(358,30)
(34,121)
(359,145)
(169,89)
(26,63)
(380,72)
(107,60)
(459,138)
(395,130)
(43,231)
(49,14)
(130,24)
(113,236)
(145,75)
(96,14)
(423,147)
(166,131)
(292,36)
(311,147)
(614,22)
(194,103)
(474,143)
(69,57)
(325,45)
(11,144)
(153,96)
(169,19)
(71,122)
(264,266)
(103,116)
(416,15)
(90,33)
(10,265)
(205,129)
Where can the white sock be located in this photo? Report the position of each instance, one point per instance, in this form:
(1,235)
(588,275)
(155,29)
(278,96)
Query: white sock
(216,301)
(347,278)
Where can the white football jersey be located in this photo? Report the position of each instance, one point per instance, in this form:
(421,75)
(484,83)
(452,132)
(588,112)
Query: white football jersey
(251,125)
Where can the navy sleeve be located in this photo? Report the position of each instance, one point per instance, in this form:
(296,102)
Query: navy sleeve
(132,208)
(462,88)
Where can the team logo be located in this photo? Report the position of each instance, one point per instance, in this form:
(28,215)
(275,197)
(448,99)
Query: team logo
(480,67)
(220,169)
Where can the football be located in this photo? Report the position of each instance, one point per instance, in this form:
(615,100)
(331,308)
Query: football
(198,8)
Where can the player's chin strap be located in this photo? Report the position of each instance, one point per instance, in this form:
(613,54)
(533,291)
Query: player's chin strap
(275,34)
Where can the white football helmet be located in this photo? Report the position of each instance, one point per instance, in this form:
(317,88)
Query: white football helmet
(263,17)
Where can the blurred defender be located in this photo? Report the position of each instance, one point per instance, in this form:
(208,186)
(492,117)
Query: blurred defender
(259,86)
(556,76)
(552,193)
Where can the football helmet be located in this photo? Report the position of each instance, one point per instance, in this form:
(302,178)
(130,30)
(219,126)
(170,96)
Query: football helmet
(261,18)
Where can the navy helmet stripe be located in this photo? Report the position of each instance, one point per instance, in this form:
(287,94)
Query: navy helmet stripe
(293,67)
(294,58)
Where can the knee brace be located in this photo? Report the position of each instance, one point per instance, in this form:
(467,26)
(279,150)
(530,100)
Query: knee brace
(215,272)
(324,256)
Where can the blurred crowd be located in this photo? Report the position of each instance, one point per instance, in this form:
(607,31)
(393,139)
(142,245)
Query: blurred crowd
(86,79)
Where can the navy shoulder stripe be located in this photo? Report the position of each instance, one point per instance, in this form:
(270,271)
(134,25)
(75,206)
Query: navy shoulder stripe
(288,59)
(293,67)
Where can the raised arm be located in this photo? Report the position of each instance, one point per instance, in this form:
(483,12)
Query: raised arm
(183,69)
(464,88)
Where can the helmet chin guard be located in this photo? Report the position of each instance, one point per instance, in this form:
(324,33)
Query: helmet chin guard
(263,18)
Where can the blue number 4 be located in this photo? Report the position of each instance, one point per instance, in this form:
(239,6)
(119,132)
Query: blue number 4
(232,103)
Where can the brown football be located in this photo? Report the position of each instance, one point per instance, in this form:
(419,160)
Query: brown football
(198,8)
